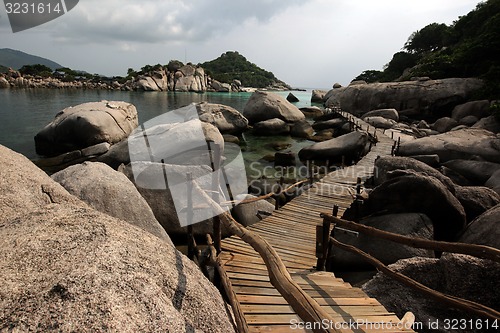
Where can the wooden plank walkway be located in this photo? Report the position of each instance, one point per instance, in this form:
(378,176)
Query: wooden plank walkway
(291,231)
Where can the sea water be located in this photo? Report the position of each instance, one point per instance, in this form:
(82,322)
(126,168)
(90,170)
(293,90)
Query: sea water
(24,112)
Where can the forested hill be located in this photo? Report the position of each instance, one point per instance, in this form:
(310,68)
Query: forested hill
(233,66)
(470,47)
(17,59)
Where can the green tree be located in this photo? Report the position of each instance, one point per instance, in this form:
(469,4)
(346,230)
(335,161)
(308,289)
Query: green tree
(34,70)
(431,38)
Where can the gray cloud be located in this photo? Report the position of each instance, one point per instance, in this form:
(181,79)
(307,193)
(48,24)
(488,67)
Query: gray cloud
(156,21)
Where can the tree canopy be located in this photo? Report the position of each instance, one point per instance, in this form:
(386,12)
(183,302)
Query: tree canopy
(467,48)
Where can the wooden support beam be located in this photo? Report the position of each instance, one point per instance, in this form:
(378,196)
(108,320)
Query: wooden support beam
(452,301)
(479,251)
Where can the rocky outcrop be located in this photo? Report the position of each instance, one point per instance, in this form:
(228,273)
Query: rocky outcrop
(457,275)
(478,109)
(302,129)
(477,172)
(110,192)
(411,224)
(250,213)
(494,182)
(391,114)
(386,164)
(4,83)
(351,146)
(410,192)
(484,230)
(273,126)
(445,124)
(67,267)
(430,98)
(318,96)
(312,112)
(476,200)
(152,181)
(227,119)
(86,125)
(24,187)
(380,122)
(462,144)
(264,106)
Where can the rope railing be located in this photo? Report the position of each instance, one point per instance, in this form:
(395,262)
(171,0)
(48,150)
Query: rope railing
(480,251)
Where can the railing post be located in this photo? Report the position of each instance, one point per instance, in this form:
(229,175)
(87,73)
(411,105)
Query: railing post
(189,212)
(214,152)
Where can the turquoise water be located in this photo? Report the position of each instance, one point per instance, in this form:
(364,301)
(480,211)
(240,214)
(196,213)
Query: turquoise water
(24,112)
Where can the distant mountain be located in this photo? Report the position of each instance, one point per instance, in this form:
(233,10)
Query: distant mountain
(233,66)
(17,59)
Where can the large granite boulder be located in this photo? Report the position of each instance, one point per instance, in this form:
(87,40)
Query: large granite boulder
(386,164)
(380,122)
(491,123)
(312,111)
(4,83)
(318,96)
(445,124)
(265,105)
(110,192)
(182,142)
(479,109)
(164,187)
(478,172)
(494,182)
(484,230)
(69,268)
(301,129)
(146,83)
(24,187)
(430,97)
(461,144)
(476,200)
(352,146)
(273,126)
(335,123)
(190,78)
(227,119)
(457,275)
(249,213)
(410,224)
(86,125)
(391,114)
(411,192)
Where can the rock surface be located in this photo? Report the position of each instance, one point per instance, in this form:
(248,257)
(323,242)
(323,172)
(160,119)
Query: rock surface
(476,200)
(227,119)
(479,109)
(110,192)
(273,126)
(86,125)
(457,275)
(24,187)
(478,172)
(410,192)
(391,114)
(264,106)
(67,268)
(461,144)
(425,97)
(412,225)
(351,145)
(248,213)
(385,164)
(484,230)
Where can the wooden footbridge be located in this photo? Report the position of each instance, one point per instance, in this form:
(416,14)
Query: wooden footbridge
(291,231)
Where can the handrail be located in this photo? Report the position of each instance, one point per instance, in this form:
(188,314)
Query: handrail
(303,304)
(455,302)
(479,251)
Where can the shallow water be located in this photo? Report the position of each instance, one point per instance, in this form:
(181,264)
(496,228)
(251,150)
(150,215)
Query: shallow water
(24,112)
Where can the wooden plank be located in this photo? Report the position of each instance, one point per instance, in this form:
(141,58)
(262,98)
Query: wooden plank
(337,301)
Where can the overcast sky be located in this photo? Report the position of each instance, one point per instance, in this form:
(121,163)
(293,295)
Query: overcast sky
(306,43)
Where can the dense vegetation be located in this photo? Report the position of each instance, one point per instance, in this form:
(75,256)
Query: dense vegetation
(233,66)
(470,47)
